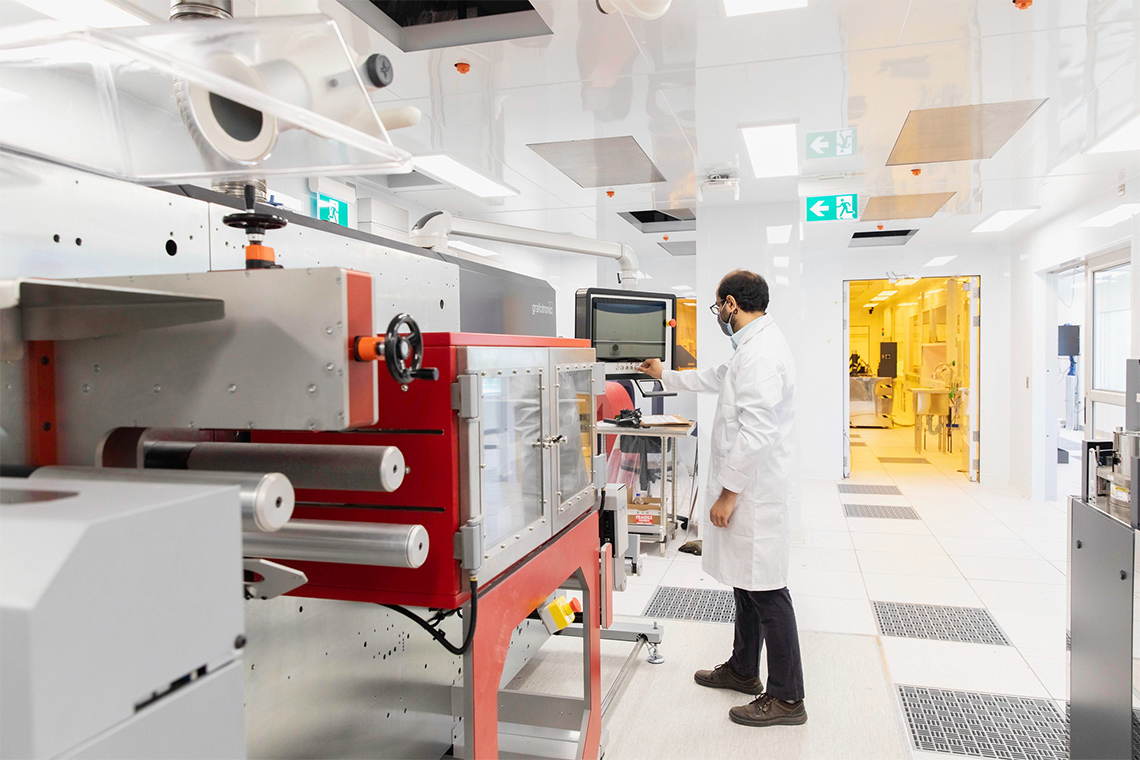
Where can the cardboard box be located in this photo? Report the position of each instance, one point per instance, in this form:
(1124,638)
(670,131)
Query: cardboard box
(644,511)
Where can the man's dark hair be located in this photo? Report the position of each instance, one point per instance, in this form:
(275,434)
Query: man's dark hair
(748,288)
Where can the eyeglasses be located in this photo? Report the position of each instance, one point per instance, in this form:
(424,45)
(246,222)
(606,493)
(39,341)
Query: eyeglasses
(715,308)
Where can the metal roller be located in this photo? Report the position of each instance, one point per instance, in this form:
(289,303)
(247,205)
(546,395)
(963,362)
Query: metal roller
(342,468)
(346,543)
(267,499)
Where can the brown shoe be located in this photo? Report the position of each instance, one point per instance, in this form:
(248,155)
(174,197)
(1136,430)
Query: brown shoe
(767,710)
(724,677)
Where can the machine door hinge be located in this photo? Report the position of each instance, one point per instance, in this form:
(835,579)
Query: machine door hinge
(977,321)
(470,544)
(465,397)
(976,465)
(976,436)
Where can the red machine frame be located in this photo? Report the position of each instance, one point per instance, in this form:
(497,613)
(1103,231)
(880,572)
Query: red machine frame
(418,418)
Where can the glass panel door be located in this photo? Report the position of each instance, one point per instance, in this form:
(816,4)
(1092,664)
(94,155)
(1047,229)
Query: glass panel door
(512,454)
(1109,309)
(574,456)
(1112,326)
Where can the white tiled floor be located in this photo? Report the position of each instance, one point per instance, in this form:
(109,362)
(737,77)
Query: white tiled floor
(975,546)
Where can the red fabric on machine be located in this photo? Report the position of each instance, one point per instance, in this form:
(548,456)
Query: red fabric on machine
(616,399)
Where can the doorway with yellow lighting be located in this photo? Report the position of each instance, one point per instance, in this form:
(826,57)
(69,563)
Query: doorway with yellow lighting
(912,363)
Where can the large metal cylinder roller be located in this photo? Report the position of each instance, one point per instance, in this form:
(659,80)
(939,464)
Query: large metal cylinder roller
(346,543)
(343,468)
(267,499)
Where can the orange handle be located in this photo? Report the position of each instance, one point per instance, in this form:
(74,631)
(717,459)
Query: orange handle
(367,348)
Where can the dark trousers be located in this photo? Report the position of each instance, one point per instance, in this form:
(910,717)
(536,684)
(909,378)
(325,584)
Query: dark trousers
(767,617)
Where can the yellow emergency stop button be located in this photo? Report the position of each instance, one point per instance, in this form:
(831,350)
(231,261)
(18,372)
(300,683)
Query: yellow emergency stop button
(559,613)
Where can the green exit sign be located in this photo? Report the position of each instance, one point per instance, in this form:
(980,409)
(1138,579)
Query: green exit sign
(832,143)
(332,210)
(828,208)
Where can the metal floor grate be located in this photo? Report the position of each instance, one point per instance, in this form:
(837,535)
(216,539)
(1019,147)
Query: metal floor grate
(903,460)
(974,625)
(709,605)
(984,725)
(875,490)
(881,511)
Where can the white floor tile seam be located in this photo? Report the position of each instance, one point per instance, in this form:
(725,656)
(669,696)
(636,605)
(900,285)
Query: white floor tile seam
(1031,673)
(1036,673)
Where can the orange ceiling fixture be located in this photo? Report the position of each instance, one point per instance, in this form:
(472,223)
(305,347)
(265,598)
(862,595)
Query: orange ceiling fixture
(463,67)
(1022,4)
(610,193)
(666,237)
(916,172)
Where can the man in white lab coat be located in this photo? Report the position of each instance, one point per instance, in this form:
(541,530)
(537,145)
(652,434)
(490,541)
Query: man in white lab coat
(746,545)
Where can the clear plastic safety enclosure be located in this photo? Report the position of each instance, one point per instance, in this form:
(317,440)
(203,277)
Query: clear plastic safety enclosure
(197,100)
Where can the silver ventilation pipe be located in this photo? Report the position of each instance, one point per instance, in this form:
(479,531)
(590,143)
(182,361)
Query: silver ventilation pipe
(199,10)
(188,10)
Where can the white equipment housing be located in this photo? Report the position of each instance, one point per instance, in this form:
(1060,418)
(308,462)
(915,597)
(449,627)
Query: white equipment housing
(121,612)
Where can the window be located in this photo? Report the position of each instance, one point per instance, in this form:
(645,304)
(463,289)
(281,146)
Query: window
(1112,326)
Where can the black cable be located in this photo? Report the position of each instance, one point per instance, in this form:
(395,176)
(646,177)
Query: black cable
(438,635)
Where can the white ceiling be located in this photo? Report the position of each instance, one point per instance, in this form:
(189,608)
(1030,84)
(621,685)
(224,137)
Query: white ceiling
(683,85)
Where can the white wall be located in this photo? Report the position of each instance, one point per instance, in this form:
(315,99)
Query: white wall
(1033,360)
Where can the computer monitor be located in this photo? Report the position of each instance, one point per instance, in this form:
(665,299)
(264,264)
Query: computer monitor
(1068,340)
(627,327)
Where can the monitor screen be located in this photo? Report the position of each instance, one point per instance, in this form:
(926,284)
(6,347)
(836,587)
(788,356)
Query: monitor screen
(629,329)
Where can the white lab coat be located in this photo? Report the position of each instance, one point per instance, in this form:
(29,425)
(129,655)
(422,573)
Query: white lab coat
(751,455)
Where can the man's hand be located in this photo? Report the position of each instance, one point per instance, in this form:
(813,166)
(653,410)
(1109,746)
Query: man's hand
(652,367)
(723,508)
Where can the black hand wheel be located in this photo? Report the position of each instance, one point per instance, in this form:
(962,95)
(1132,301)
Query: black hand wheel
(404,354)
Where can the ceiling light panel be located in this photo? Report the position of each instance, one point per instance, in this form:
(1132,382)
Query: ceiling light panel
(1003,220)
(773,150)
(1121,213)
(917,206)
(680,247)
(1126,138)
(959,133)
(447,169)
(601,162)
(779,234)
(474,250)
(747,7)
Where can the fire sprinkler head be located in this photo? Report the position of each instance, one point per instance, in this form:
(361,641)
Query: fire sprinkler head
(916,172)
(463,67)
(609,193)
(1022,4)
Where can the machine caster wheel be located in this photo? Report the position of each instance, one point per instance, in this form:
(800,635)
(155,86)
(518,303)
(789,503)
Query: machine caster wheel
(661,548)
(655,657)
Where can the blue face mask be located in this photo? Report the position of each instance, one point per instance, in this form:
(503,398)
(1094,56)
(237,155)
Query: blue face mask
(725,325)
